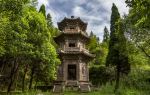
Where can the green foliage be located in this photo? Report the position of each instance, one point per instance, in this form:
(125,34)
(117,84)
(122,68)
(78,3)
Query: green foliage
(100,75)
(103,53)
(118,53)
(25,41)
(49,20)
(94,47)
(42,10)
(99,49)
(43,50)
(137,24)
(106,35)
(53,31)
(12,6)
(140,7)
(136,57)
(138,78)
(112,56)
(123,60)
(28,55)
(104,47)
(3,24)
(93,43)
(114,18)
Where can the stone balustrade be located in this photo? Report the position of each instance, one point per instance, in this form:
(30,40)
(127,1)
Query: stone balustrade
(68,49)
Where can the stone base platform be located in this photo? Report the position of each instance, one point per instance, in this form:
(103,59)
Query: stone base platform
(82,86)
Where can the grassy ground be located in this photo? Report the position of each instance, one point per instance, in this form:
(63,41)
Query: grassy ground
(134,84)
(104,90)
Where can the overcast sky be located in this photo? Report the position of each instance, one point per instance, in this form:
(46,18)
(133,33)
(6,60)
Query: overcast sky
(95,12)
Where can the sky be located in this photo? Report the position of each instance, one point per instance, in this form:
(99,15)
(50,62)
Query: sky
(95,12)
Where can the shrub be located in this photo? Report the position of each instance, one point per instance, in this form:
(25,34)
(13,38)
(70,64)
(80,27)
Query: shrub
(100,75)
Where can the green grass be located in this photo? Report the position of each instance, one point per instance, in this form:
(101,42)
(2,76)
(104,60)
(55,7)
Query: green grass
(134,84)
(104,90)
(108,89)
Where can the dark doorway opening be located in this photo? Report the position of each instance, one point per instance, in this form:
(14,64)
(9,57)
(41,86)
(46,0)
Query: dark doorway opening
(71,72)
(72,45)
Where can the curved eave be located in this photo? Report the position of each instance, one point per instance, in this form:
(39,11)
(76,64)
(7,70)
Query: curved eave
(63,23)
(56,38)
(63,34)
(88,55)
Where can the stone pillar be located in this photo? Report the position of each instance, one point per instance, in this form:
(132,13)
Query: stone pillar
(87,72)
(64,70)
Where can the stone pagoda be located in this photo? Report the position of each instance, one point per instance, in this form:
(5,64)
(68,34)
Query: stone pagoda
(73,70)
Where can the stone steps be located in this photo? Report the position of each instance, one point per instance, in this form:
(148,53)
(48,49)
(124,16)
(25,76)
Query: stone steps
(72,86)
(58,88)
(84,88)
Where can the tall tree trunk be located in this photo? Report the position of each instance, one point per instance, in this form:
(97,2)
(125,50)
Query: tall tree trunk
(2,67)
(12,75)
(31,79)
(3,64)
(3,70)
(16,76)
(23,80)
(117,78)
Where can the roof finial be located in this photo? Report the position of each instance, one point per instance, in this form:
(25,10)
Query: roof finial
(72,17)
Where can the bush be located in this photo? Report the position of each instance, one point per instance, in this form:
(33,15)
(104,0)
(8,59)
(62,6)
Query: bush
(100,75)
(138,79)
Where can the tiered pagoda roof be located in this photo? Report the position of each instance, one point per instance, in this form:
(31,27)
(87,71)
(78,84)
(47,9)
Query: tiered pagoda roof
(84,53)
(78,31)
(72,21)
(74,34)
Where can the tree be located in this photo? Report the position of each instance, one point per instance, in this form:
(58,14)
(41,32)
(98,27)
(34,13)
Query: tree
(44,58)
(49,20)
(13,38)
(103,53)
(91,34)
(3,24)
(25,46)
(138,24)
(54,31)
(104,46)
(112,56)
(118,53)
(98,49)
(93,43)
(106,35)
(123,65)
(42,10)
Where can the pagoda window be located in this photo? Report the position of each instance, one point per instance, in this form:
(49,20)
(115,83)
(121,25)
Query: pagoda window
(72,45)
(72,28)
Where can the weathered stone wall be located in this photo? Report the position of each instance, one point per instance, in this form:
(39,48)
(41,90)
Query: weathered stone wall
(83,72)
(81,69)
(68,62)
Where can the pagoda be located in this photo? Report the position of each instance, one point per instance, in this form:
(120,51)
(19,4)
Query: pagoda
(73,70)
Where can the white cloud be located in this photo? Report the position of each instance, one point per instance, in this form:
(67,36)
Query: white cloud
(45,2)
(95,12)
(78,11)
(79,2)
(119,3)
